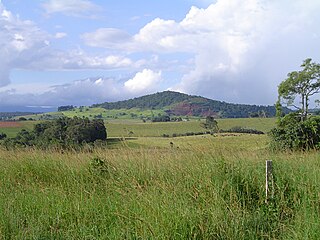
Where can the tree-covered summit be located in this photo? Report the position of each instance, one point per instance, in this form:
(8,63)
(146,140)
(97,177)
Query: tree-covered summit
(180,104)
(156,101)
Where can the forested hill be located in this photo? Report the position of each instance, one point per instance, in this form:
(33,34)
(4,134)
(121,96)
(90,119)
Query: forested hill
(180,104)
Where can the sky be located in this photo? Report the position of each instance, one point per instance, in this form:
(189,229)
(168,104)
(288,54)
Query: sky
(81,52)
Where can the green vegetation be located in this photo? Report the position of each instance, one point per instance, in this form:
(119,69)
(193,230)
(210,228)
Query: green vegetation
(63,132)
(208,188)
(123,128)
(210,124)
(65,108)
(179,104)
(298,131)
(12,115)
(293,134)
(304,84)
(100,113)
(12,128)
(134,128)
(161,107)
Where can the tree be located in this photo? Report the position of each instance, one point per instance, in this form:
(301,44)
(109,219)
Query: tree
(304,83)
(210,124)
(296,131)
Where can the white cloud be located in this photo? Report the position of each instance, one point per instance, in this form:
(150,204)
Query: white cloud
(25,46)
(71,7)
(59,35)
(81,92)
(18,39)
(142,81)
(231,41)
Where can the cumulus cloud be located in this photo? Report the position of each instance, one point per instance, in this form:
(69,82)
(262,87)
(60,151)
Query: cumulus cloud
(70,7)
(236,45)
(147,79)
(18,39)
(25,46)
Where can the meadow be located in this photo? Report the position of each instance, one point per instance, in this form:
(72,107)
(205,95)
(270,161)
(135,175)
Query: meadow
(137,128)
(149,187)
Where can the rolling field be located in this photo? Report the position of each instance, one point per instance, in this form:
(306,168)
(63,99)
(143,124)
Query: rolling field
(139,129)
(202,187)
(150,187)
(131,114)
(136,128)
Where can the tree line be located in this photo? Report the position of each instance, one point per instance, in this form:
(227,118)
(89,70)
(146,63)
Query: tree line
(63,132)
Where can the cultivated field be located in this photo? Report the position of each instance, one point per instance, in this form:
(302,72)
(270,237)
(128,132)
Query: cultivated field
(196,187)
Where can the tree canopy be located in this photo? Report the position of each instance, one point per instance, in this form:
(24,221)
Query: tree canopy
(303,84)
(63,132)
(297,131)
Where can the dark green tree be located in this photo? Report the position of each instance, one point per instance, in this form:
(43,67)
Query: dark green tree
(62,132)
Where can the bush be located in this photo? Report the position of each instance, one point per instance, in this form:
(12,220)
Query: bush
(293,134)
(22,119)
(238,129)
(3,136)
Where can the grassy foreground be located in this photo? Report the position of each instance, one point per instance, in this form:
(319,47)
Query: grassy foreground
(200,188)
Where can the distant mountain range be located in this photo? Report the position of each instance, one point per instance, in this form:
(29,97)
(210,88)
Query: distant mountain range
(180,104)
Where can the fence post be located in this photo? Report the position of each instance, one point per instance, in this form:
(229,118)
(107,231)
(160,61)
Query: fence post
(269,180)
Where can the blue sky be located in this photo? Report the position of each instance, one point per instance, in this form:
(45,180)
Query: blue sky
(80,52)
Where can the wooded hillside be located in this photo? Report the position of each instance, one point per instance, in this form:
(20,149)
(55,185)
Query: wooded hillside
(180,104)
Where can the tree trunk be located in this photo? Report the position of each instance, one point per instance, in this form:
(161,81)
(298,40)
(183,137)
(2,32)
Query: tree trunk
(307,108)
(302,107)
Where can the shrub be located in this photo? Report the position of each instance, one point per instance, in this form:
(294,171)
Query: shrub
(238,129)
(293,134)
(3,136)
(22,119)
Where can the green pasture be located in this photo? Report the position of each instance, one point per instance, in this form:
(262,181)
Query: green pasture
(114,114)
(149,129)
(136,128)
(199,187)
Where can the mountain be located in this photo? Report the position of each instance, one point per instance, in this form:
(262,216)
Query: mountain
(180,104)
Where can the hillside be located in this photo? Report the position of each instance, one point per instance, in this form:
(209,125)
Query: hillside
(180,104)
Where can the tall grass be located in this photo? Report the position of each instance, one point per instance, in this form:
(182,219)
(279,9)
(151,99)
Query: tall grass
(162,192)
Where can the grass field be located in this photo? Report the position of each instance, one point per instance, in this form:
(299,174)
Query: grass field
(114,114)
(202,187)
(12,128)
(150,187)
(136,128)
(139,129)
